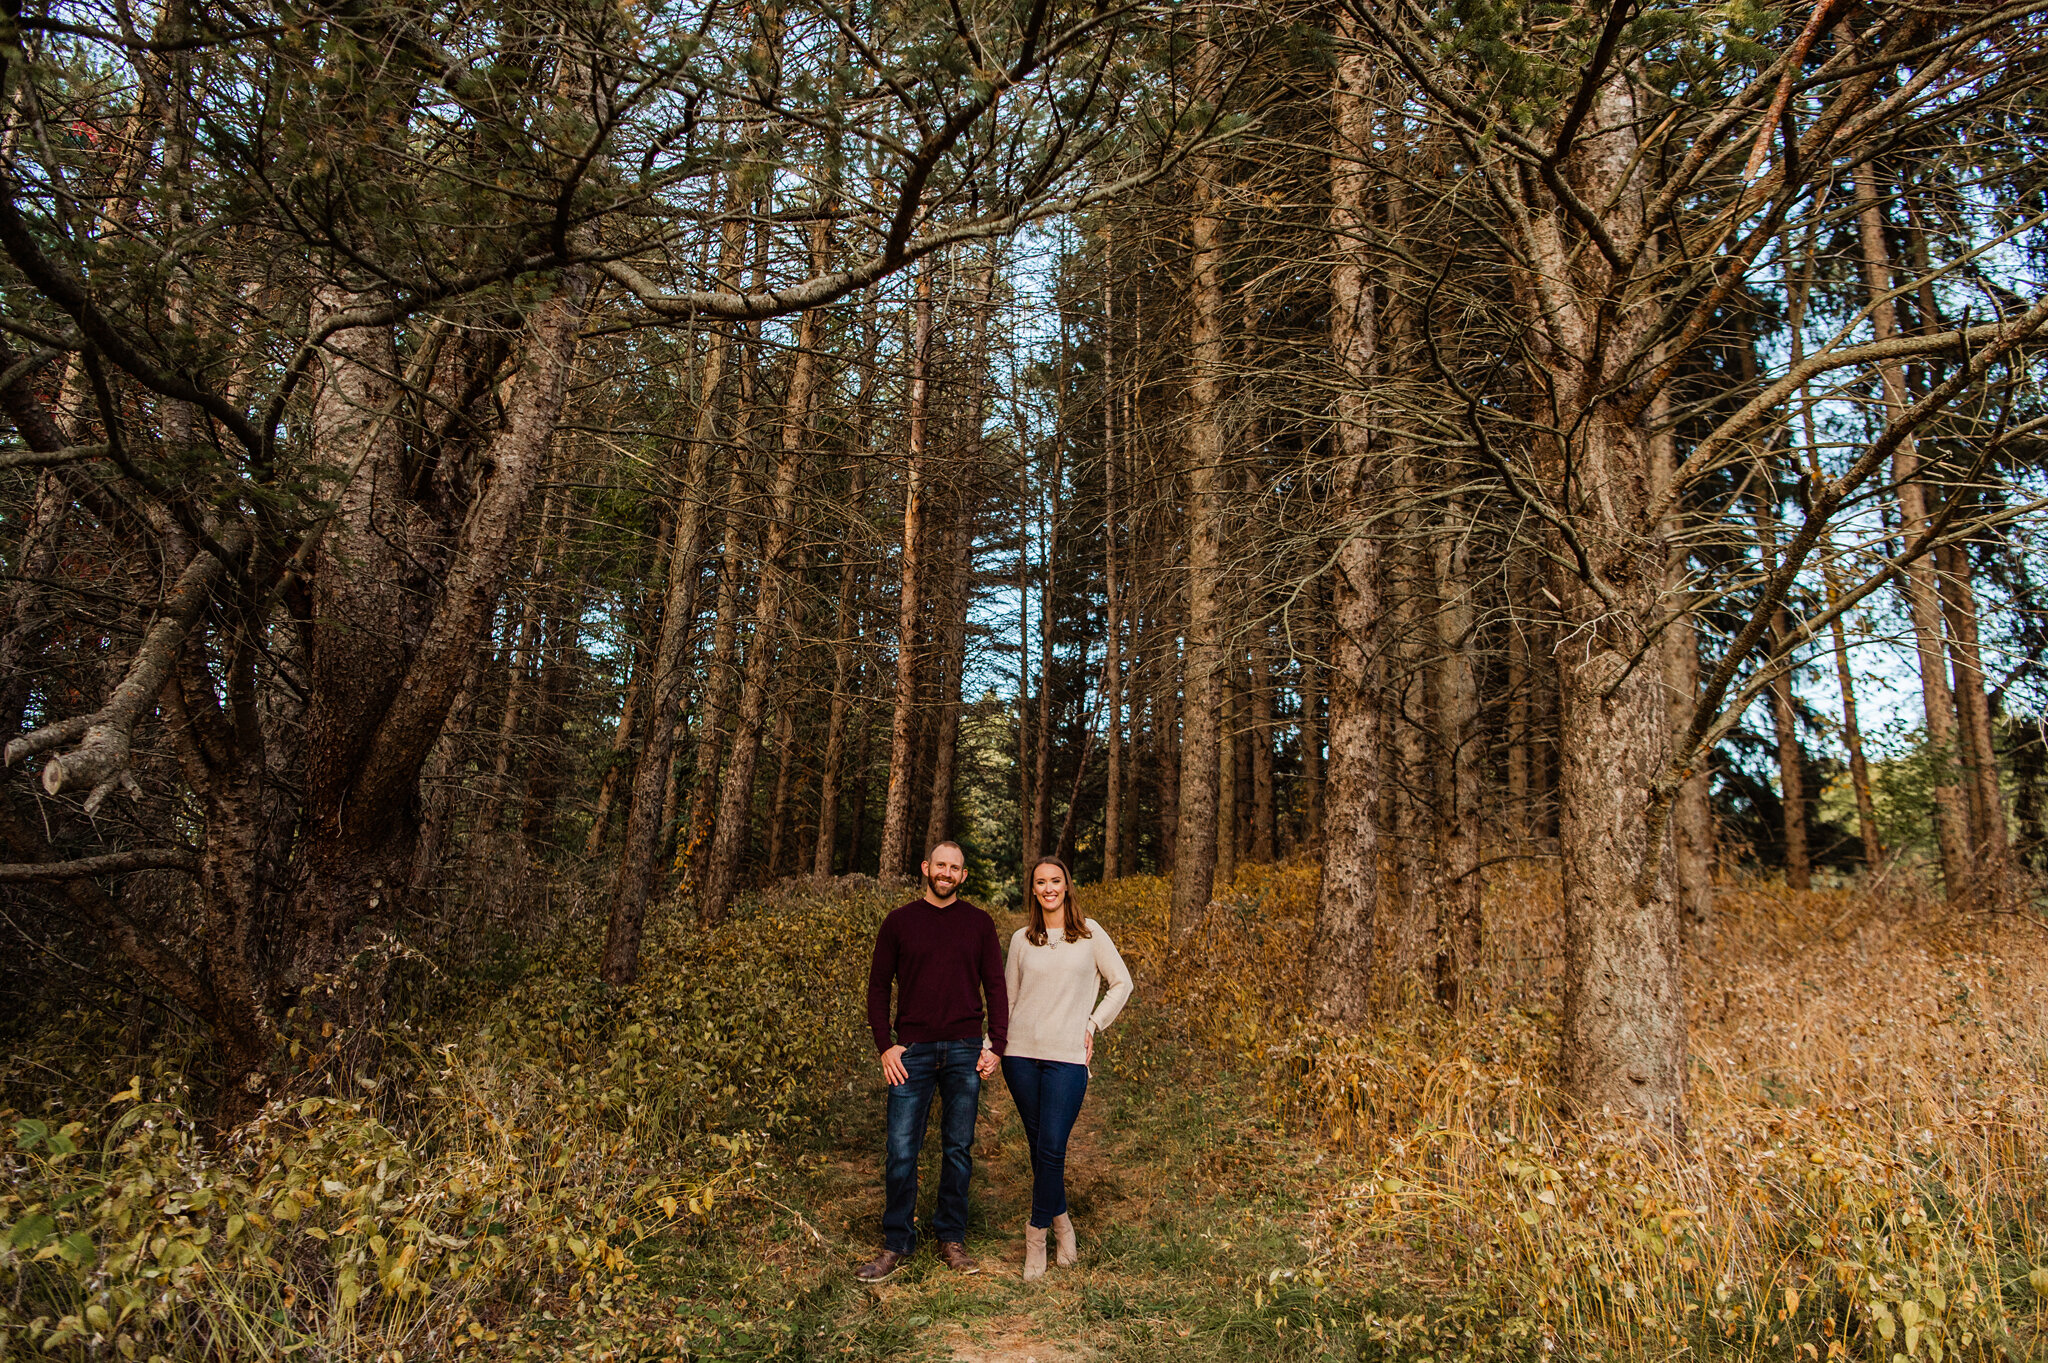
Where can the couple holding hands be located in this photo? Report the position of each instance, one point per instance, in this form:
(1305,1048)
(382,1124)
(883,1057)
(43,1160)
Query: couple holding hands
(941,954)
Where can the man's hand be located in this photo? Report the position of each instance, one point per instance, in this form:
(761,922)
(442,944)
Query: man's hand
(986,1066)
(892,1065)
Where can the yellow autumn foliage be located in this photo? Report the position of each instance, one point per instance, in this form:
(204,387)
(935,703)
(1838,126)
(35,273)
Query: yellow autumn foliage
(1865,1173)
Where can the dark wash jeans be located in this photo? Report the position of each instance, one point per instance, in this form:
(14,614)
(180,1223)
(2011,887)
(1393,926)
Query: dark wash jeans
(1048,1095)
(948,1068)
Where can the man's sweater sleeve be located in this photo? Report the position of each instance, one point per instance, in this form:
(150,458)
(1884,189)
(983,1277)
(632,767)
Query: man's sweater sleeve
(880,974)
(993,988)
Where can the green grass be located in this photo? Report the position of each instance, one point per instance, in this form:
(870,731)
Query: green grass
(1175,1183)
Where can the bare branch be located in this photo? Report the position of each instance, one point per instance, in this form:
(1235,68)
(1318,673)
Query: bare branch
(36,459)
(106,864)
(101,760)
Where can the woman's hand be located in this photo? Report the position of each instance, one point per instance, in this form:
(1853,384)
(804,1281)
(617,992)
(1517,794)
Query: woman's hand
(1088,1045)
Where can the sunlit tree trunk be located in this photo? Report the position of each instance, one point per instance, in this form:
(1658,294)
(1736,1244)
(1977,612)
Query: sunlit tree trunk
(1974,720)
(1923,593)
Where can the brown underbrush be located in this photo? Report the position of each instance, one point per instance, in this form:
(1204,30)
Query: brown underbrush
(1865,1174)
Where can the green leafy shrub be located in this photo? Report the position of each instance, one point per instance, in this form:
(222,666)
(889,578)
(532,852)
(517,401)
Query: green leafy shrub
(492,1195)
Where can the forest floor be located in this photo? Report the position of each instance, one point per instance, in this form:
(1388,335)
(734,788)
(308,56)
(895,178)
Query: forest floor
(545,1168)
(1186,1195)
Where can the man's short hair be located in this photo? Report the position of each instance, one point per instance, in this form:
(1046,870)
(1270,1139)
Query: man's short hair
(947,843)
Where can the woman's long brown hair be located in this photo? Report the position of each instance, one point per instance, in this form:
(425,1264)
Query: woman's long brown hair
(1036,933)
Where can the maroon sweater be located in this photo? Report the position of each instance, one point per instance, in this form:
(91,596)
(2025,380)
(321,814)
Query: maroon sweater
(943,960)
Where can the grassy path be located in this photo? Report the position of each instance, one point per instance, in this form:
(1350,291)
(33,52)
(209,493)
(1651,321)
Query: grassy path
(1185,1200)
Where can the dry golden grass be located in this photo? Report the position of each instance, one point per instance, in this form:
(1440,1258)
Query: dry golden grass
(1864,1176)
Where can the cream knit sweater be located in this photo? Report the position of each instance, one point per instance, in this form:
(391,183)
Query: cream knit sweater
(1052,993)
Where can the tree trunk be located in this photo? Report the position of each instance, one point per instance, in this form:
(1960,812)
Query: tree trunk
(1692,815)
(896,848)
(1264,813)
(1923,596)
(1520,681)
(845,637)
(958,558)
(952,659)
(1229,715)
(616,769)
(438,778)
(1791,766)
(1973,715)
(669,677)
(546,762)
(785,768)
(1852,732)
(1166,766)
(1623,1047)
(1340,966)
(1407,928)
(1194,865)
(1041,730)
(1311,740)
(1459,759)
(735,802)
(1113,592)
(369,737)
(715,705)
(521,673)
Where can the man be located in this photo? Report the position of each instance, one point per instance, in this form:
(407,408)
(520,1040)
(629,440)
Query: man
(941,952)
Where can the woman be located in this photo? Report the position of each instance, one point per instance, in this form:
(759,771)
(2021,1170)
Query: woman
(1052,971)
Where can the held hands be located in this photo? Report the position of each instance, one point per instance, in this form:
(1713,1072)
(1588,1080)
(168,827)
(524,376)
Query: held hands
(894,1073)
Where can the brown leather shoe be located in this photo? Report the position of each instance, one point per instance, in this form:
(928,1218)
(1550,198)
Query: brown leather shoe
(954,1254)
(879,1267)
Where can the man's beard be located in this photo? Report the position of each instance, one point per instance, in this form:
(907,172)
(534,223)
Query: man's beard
(933,889)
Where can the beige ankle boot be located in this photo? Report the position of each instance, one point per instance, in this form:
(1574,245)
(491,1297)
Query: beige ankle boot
(1063,1234)
(1034,1253)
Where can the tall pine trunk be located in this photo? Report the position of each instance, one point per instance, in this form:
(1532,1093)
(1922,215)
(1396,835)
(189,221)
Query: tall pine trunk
(1194,862)
(903,726)
(736,794)
(1923,592)
(669,677)
(1340,967)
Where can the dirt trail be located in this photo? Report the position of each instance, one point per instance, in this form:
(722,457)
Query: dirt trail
(1178,1216)
(1002,1173)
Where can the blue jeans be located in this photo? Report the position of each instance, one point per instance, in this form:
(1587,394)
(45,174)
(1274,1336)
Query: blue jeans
(1048,1095)
(948,1067)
